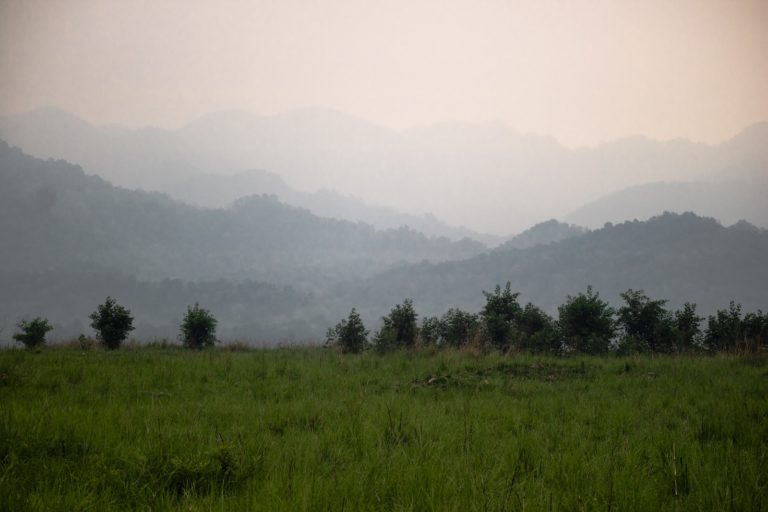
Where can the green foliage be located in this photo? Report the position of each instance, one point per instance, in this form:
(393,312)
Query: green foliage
(32,332)
(350,334)
(724,329)
(400,329)
(686,329)
(646,321)
(586,323)
(459,327)
(431,331)
(727,330)
(535,331)
(500,310)
(198,328)
(112,323)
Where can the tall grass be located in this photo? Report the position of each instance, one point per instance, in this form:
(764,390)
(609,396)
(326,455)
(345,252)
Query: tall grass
(308,429)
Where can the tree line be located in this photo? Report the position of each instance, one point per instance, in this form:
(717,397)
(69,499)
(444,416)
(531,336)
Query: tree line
(113,322)
(586,324)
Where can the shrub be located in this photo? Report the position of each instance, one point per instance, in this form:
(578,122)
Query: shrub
(32,333)
(586,323)
(112,323)
(198,329)
(350,334)
(500,310)
(400,329)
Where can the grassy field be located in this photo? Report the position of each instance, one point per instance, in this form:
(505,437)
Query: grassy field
(309,429)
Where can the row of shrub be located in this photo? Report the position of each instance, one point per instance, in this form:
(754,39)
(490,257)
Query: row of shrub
(586,324)
(113,322)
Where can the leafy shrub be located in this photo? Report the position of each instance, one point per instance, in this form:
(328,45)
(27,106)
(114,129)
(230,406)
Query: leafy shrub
(112,323)
(400,329)
(350,334)
(500,310)
(586,323)
(198,329)
(32,333)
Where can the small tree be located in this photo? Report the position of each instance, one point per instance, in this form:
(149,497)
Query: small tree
(112,323)
(400,329)
(646,321)
(32,333)
(534,331)
(586,323)
(686,328)
(350,334)
(198,329)
(500,310)
(458,327)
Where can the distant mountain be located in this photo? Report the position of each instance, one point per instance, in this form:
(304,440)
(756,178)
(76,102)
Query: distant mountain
(53,215)
(488,176)
(217,191)
(541,234)
(726,201)
(675,257)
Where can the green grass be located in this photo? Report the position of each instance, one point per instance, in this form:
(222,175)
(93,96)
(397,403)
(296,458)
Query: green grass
(309,429)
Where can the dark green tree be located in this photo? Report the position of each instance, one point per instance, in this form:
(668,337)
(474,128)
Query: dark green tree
(400,329)
(459,327)
(431,331)
(500,310)
(646,321)
(724,329)
(112,323)
(586,323)
(32,332)
(755,328)
(350,334)
(687,328)
(198,328)
(534,331)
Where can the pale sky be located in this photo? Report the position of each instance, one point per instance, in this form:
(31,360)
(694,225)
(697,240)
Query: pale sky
(582,71)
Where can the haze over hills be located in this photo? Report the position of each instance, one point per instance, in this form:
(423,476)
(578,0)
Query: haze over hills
(275,272)
(56,215)
(679,257)
(726,201)
(487,177)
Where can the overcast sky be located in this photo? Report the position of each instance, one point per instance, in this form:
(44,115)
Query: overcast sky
(583,71)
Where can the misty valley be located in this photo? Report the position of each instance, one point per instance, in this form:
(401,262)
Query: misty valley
(195,340)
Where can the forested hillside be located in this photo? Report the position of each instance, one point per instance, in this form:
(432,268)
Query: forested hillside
(52,216)
(676,257)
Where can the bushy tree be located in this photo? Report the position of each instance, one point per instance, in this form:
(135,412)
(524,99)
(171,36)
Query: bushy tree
(501,308)
(112,323)
(32,332)
(724,329)
(686,328)
(755,328)
(431,331)
(400,329)
(534,331)
(458,327)
(586,323)
(350,334)
(198,328)
(646,321)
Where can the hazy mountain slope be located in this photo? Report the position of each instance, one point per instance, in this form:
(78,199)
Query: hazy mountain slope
(727,202)
(217,191)
(677,257)
(53,215)
(488,177)
(543,233)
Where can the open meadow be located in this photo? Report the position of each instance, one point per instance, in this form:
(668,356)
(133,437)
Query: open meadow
(310,429)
